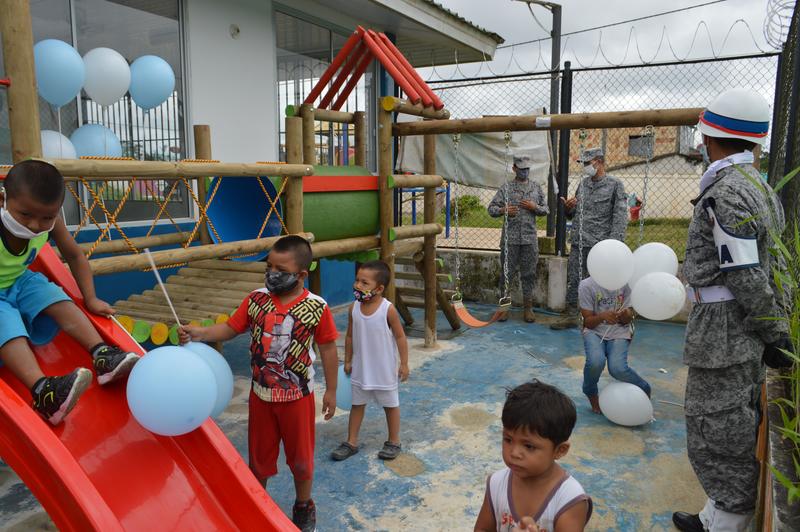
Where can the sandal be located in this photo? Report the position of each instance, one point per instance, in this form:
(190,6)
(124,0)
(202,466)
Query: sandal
(344,451)
(390,451)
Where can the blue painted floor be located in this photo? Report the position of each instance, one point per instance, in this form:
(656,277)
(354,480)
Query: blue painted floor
(451,435)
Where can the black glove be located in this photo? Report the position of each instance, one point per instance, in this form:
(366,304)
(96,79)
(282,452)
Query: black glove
(774,357)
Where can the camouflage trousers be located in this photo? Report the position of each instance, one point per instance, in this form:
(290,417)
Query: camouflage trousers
(722,416)
(522,258)
(576,273)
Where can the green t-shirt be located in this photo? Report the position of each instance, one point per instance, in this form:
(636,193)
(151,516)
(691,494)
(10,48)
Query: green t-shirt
(12,266)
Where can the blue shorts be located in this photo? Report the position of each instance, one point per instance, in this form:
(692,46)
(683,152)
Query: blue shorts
(21,306)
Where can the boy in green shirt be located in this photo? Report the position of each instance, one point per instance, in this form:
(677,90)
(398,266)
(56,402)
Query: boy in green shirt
(31,307)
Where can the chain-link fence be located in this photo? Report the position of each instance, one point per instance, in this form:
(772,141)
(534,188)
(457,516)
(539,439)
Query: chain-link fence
(659,182)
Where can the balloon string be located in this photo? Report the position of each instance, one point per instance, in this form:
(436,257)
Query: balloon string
(161,284)
(60,135)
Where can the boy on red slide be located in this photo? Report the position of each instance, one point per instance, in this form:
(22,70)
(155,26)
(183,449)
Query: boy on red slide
(32,309)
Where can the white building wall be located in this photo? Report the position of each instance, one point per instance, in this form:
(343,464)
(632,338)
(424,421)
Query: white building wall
(231,80)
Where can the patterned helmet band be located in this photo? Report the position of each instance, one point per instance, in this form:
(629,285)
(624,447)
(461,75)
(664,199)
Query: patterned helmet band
(735,126)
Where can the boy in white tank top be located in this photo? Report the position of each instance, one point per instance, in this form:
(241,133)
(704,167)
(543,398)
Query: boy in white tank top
(374,342)
(534,493)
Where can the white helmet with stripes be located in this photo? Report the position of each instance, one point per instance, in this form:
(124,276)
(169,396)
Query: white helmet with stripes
(737,114)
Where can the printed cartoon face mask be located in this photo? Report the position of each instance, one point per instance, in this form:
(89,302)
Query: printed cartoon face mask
(363,296)
(280,282)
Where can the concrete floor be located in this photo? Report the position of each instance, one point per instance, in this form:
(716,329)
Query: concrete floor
(451,436)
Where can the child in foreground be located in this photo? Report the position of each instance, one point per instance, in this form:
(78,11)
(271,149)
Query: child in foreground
(284,320)
(32,309)
(533,492)
(607,334)
(375,336)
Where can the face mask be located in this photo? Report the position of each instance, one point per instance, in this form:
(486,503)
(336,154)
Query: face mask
(362,296)
(522,173)
(589,170)
(280,282)
(19,230)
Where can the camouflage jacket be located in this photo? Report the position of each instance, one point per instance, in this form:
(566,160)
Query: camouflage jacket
(601,212)
(522,227)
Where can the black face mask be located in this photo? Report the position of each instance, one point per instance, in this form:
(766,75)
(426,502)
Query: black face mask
(280,282)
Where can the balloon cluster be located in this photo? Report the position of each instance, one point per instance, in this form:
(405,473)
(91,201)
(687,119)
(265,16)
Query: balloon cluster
(650,271)
(105,76)
(172,390)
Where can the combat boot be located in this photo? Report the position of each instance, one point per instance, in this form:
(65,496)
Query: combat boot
(569,320)
(529,316)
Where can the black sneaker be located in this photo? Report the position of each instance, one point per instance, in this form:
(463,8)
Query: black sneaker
(56,396)
(112,363)
(304,516)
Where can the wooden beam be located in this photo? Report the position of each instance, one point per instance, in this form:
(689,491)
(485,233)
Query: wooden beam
(409,261)
(293,192)
(414,276)
(421,292)
(398,105)
(309,142)
(429,242)
(139,242)
(402,309)
(202,150)
(72,169)
(330,248)
(419,180)
(242,287)
(385,195)
(191,297)
(407,247)
(443,302)
(232,265)
(178,290)
(221,275)
(211,306)
(176,256)
(23,98)
(328,115)
(360,136)
(619,119)
(414,231)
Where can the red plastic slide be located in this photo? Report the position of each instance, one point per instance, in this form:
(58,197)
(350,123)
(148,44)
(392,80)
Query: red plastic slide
(100,470)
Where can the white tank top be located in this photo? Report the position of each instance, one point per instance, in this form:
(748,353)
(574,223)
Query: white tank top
(375,354)
(567,493)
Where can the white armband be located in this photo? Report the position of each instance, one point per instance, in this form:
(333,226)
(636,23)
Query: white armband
(735,252)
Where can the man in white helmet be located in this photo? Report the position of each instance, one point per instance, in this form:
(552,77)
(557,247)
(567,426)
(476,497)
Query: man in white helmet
(729,269)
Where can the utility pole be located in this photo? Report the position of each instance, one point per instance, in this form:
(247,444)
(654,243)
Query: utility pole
(555,67)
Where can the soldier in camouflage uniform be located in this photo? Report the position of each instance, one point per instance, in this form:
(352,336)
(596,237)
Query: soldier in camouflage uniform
(729,268)
(599,210)
(523,200)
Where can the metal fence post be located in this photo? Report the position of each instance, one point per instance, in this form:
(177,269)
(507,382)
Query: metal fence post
(563,161)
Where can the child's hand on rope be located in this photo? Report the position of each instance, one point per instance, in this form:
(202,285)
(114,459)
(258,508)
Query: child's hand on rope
(187,333)
(99,307)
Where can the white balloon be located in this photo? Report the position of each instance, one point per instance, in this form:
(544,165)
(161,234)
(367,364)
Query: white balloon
(108,75)
(653,257)
(658,296)
(57,146)
(610,263)
(625,404)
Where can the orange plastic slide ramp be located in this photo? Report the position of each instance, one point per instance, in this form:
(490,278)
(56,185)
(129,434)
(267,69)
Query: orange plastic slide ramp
(101,470)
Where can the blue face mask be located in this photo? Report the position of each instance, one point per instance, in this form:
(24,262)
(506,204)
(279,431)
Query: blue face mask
(522,173)
(280,282)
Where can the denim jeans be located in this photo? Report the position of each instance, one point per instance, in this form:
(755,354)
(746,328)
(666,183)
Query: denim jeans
(616,351)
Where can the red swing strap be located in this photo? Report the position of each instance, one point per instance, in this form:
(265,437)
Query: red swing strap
(470,321)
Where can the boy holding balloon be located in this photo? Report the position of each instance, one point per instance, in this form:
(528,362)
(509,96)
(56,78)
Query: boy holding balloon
(284,320)
(32,309)
(607,333)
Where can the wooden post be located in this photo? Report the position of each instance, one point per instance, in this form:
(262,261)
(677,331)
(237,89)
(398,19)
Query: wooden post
(309,143)
(293,193)
(429,245)
(202,150)
(23,98)
(360,134)
(385,196)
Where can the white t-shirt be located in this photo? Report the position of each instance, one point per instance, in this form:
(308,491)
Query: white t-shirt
(375,355)
(566,494)
(594,297)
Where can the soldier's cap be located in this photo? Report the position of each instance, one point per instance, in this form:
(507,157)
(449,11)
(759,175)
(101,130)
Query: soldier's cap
(522,161)
(591,154)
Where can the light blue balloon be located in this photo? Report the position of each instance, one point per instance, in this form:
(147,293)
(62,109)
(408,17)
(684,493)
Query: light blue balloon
(171,391)
(344,393)
(222,373)
(94,140)
(152,81)
(59,71)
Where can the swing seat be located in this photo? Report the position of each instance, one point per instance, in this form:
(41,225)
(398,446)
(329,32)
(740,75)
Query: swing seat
(471,321)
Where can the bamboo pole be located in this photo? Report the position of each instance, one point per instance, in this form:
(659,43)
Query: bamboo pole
(429,242)
(619,119)
(360,137)
(414,231)
(328,115)
(202,150)
(139,242)
(23,98)
(176,256)
(71,169)
(385,196)
(309,143)
(419,180)
(398,105)
(293,193)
